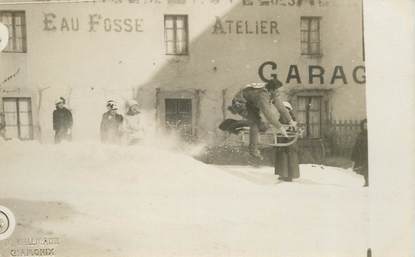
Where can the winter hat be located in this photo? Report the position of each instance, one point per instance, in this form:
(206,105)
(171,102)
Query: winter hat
(273,84)
(61,100)
(112,104)
(131,102)
(287,105)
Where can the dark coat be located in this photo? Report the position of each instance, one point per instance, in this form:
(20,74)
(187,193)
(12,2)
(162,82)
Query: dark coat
(286,158)
(62,119)
(111,128)
(360,154)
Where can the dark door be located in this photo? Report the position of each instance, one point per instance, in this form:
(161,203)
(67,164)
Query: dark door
(179,116)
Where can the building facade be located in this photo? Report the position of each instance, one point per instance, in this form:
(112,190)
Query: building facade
(183,60)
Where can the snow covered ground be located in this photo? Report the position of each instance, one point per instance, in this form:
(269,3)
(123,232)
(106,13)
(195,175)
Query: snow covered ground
(156,200)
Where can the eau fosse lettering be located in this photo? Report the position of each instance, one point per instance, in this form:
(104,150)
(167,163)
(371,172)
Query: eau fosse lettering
(95,23)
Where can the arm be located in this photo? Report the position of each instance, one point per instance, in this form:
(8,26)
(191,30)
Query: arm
(55,122)
(269,111)
(285,114)
(102,127)
(70,119)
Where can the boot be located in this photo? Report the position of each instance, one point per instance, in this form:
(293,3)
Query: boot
(256,154)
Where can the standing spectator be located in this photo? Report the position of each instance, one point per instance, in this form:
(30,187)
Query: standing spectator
(62,122)
(132,124)
(2,126)
(287,163)
(111,124)
(360,153)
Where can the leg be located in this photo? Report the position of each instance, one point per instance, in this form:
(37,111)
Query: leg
(57,137)
(281,164)
(293,162)
(254,121)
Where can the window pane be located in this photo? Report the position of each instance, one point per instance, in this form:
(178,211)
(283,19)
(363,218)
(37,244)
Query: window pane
(315,124)
(301,104)
(171,105)
(185,106)
(314,37)
(180,22)
(170,47)
(6,19)
(301,118)
(168,23)
(315,48)
(18,31)
(11,132)
(24,105)
(10,118)
(25,118)
(315,104)
(181,35)
(315,24)
(304,24)
(169,34)
(304,48)
(181,47)
(18,19)
(304,36)
(25,132)
(9,106)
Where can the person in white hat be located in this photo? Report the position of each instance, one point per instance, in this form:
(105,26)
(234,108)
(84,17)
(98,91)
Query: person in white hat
(133,131)
(111,124)
(62,121)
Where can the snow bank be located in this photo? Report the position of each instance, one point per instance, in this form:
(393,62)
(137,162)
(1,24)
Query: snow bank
(156,200)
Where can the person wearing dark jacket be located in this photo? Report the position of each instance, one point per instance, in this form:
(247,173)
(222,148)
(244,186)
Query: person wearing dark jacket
(287,162)
(360,153)
(257,98)
(111,124)
(62,122)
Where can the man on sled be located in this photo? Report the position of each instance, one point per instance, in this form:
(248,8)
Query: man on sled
(252,100)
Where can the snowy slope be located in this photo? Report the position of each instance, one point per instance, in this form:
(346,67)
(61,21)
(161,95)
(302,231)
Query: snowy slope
(158,201)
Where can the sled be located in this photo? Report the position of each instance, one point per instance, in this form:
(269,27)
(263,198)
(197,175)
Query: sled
(266,139)
(272,139)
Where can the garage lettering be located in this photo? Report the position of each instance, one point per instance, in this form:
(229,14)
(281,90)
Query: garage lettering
(314,74)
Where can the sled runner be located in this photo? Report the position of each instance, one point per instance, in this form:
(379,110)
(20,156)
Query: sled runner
(267,139)
(273,139)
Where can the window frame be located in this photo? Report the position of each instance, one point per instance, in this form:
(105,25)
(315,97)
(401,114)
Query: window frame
(309,31)
(174,19)
(307,111)
(179,113)
(12,33)
(16,101)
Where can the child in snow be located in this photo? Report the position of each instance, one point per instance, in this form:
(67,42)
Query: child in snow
(132,126)
(257,98)
(111,124)
(360,153)
(287,157)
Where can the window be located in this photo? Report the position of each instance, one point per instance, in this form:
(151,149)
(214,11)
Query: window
(176,34)
(310,36)
(309,115)
(18,117)
(179,116)
(16,24)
